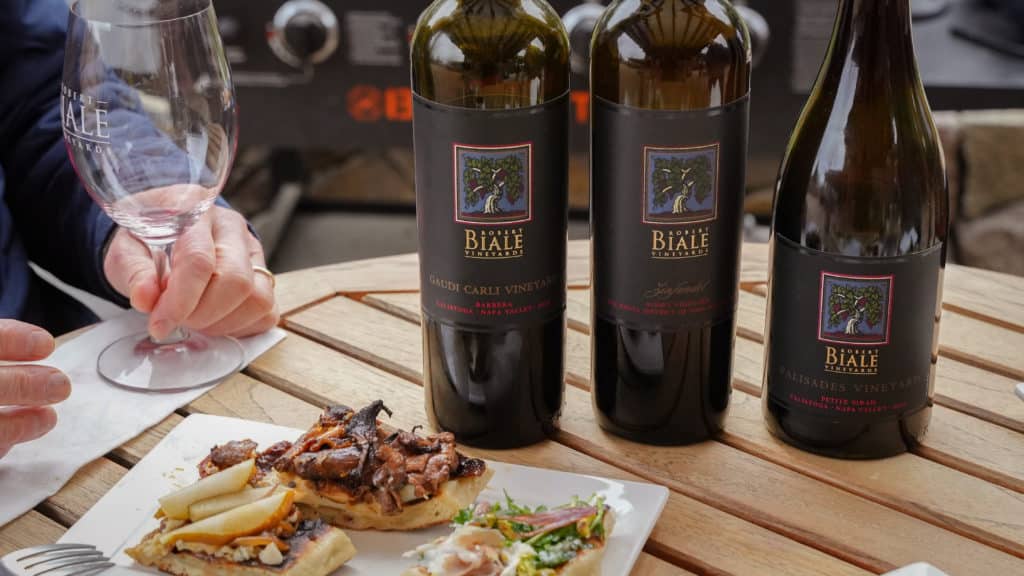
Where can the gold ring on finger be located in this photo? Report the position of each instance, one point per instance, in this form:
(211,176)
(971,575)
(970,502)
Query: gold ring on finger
(266,272)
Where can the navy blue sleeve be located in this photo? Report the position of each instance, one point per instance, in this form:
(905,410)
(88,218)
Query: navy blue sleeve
(63,230)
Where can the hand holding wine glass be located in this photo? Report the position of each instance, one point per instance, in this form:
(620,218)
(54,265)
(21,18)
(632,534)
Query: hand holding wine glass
(150,124)
(212,286)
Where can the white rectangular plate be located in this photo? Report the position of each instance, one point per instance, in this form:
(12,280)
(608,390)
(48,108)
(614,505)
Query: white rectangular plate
(125,514)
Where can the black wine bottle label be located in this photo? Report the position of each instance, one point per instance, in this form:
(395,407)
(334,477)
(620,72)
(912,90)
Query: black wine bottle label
(852,337)
(667,205)
(491,200)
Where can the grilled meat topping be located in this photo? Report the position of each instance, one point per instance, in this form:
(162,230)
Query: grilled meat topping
(226,456)
(334,463)
(233,453)
(351,449)
(469,467)
(335,415)
(236,452)
(266,460)
(364,423)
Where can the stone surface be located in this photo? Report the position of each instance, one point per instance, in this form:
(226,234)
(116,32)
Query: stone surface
(993,152)
(364,178)
(995,242)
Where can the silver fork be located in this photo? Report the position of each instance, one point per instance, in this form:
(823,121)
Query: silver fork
(56,560)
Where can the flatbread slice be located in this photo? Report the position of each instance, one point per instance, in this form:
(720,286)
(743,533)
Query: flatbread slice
(316,549)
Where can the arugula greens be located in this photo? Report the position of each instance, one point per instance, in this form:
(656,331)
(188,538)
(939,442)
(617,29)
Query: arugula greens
(553,547)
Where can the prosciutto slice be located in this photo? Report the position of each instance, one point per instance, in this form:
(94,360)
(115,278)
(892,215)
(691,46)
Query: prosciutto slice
(551,520)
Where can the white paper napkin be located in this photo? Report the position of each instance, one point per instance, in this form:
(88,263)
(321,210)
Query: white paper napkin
(97,418)
(918,569)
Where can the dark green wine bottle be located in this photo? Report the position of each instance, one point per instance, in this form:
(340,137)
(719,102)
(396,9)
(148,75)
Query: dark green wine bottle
(491,119)
(670,81)
(858,249)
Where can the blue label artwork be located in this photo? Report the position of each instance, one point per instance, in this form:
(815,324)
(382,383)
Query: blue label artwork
(680,184)
(493,185)
(855,309)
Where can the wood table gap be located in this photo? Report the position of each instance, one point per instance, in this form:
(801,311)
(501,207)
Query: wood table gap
(54,514)
(958,338)
(980,413)
(736,508)
(966,466)
(983,363)
(30,529)
(402,312)
(653,565)
(961,441)
(983,317)
(949,523)
(87,486)
(355,352)
(761,289)
(358,296)
(959,387)
(119,457)
(304,307)
(690,564)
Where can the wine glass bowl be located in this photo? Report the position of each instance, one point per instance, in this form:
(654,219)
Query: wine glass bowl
(162,214)
(150,125)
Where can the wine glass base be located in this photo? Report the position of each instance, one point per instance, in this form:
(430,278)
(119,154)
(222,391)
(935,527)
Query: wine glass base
(138,363)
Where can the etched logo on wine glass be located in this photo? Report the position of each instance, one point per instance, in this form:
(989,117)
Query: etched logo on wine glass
(680,184)
(493,184)
(855,310)
(84,120)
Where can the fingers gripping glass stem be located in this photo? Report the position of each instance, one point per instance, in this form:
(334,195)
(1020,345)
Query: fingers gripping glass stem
(162,260)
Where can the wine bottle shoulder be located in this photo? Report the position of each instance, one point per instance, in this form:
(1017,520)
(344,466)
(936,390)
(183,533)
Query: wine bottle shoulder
(490,53)
(859,183)
(864,173)
(671,54)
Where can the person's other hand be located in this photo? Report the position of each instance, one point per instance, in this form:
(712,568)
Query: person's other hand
(26,392)
(212,287)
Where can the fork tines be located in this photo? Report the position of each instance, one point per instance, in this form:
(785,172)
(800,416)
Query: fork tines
(60,560)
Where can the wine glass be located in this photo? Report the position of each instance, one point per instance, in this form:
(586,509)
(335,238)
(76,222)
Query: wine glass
(150,124)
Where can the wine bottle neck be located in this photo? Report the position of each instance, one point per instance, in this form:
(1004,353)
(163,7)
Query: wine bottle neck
(470,4)
(895,11)
(874,38)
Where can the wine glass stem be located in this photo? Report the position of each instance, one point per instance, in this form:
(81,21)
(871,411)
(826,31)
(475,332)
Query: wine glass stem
(162,259)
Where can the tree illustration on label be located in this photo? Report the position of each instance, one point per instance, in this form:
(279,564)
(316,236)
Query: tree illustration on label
(492,184)
(855,309)
(681,184)
(855,306)
(680,180)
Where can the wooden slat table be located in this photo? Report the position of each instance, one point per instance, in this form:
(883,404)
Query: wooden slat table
(744,504)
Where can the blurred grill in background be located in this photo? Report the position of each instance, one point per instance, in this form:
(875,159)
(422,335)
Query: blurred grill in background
(326,111)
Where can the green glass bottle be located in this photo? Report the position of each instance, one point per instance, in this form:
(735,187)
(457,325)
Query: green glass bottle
(858,249)
(670,83)
(491,118)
